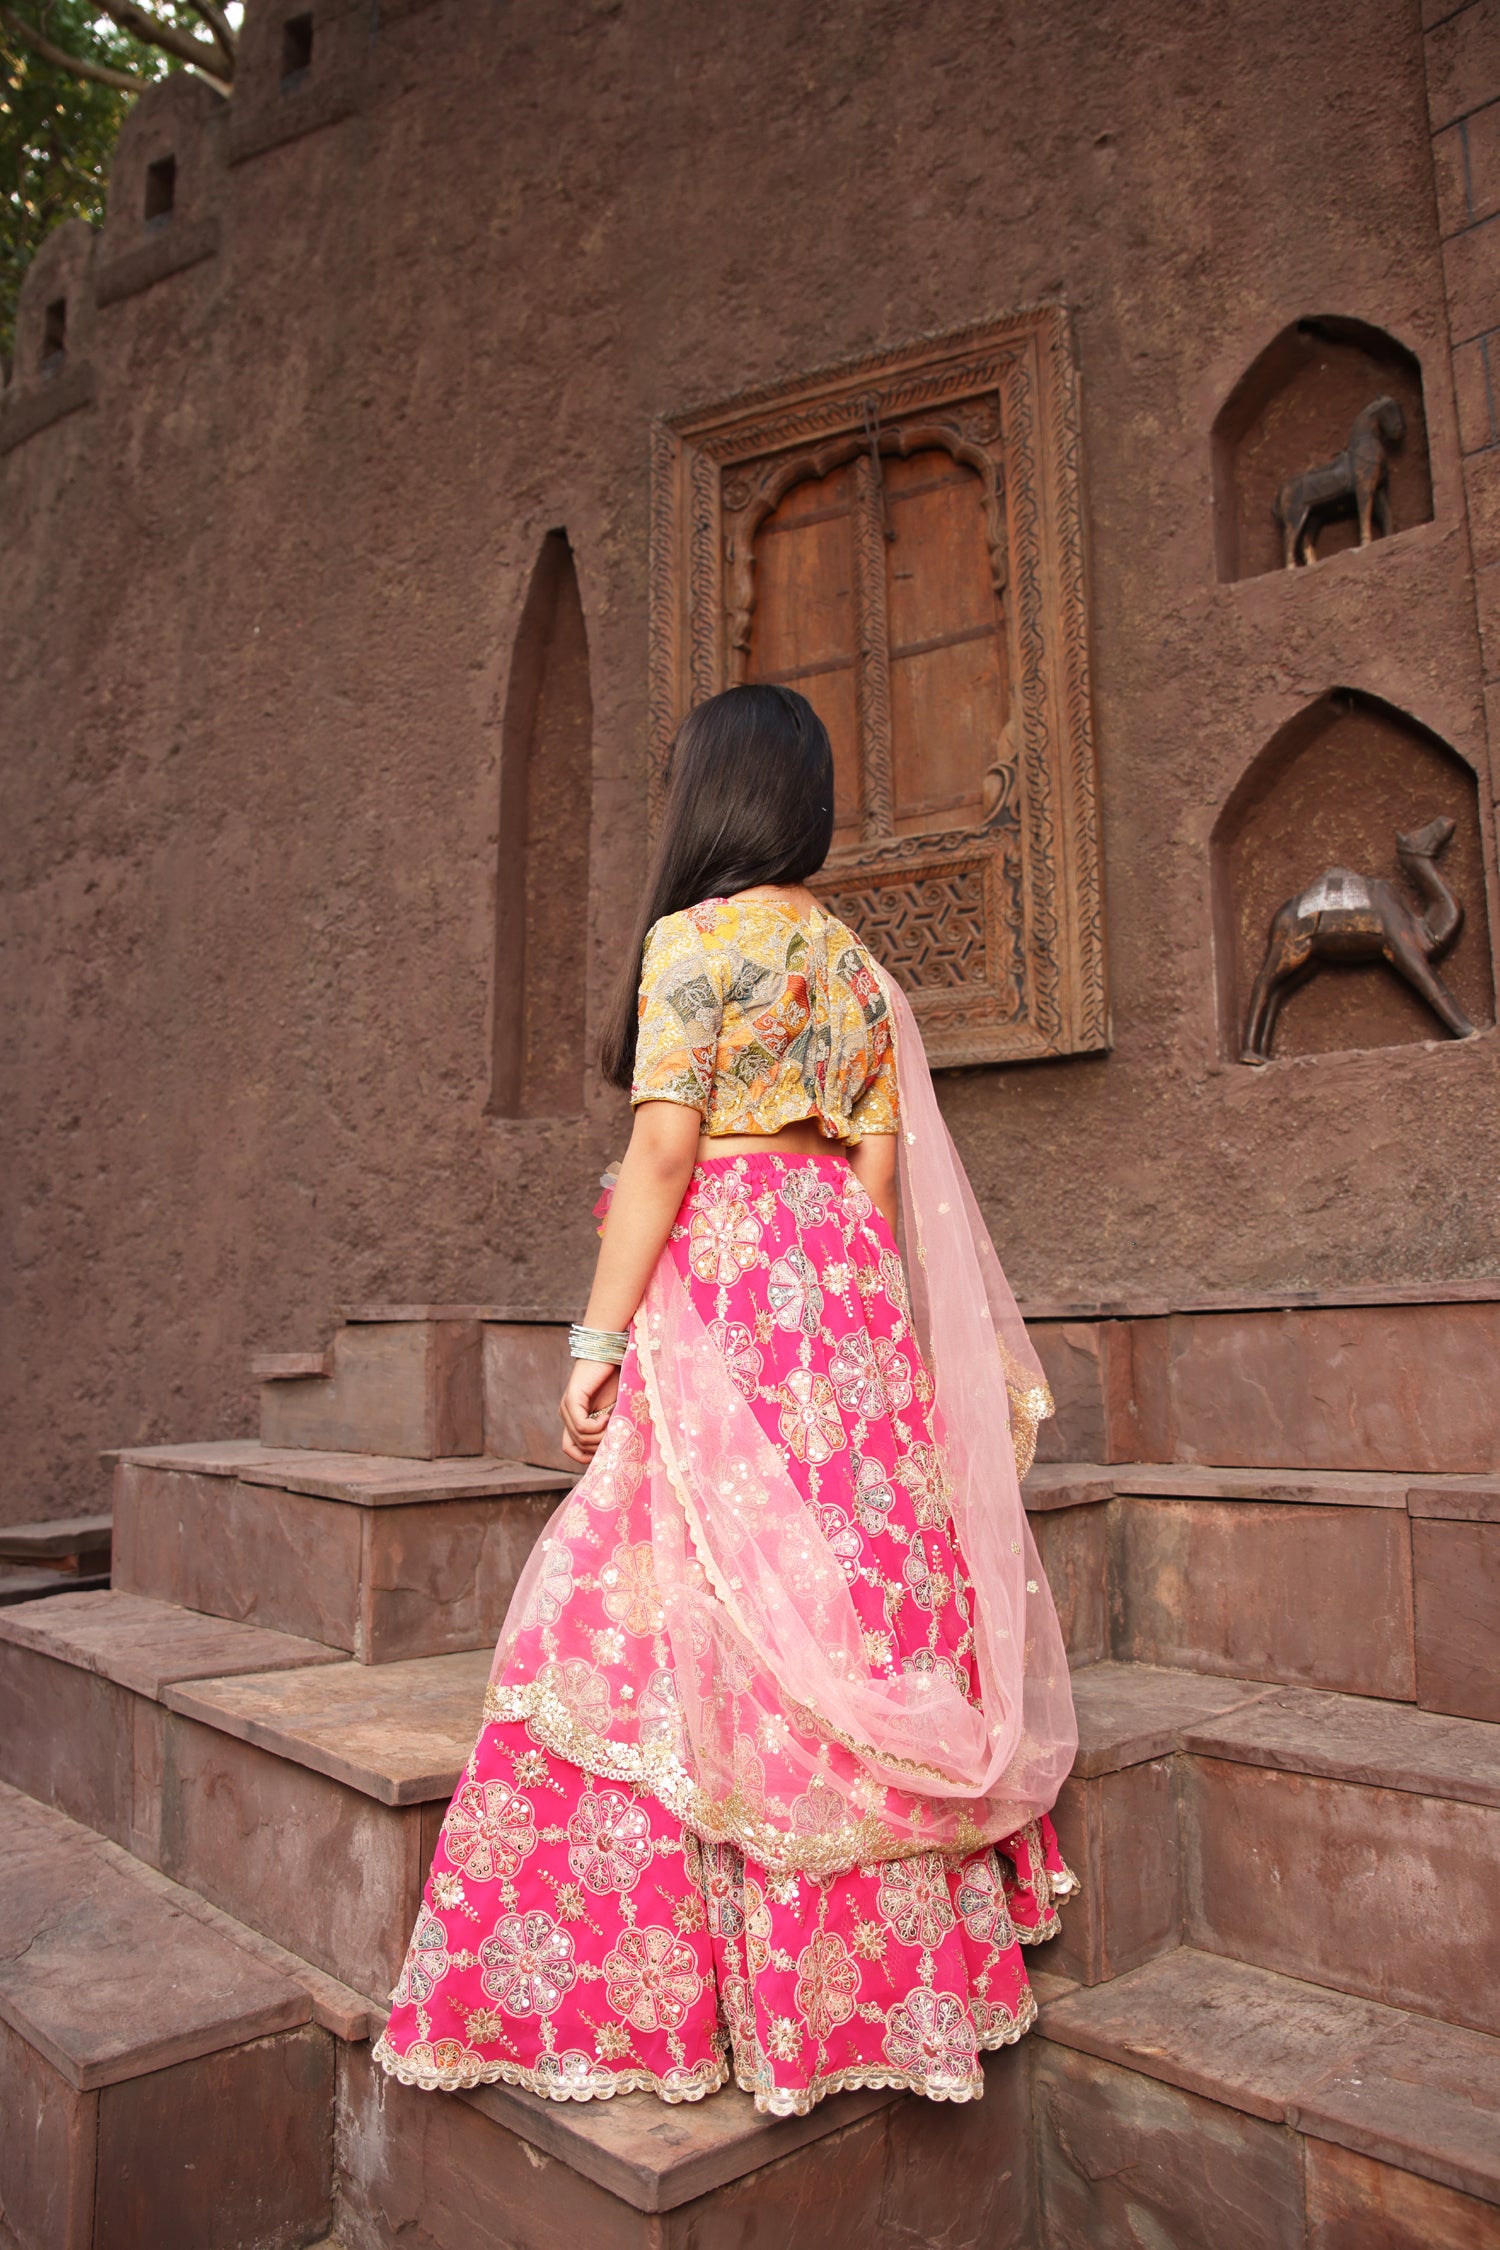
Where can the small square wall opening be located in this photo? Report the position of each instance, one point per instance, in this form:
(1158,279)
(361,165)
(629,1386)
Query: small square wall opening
(161,190)
(296,50)
(54,331)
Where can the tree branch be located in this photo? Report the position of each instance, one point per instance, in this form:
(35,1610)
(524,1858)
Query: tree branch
(153,32)
(78,66)
(219,24)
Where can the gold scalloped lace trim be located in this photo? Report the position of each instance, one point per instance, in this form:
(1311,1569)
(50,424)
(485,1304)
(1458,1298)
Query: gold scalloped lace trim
(703,2079)
(660,1770)
(796,2101)
(602,2084)
(1061,1890)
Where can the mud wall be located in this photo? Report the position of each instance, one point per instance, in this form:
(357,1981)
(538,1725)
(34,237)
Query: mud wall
(272,512)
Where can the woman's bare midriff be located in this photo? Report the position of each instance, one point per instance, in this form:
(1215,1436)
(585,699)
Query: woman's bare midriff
(801,1139)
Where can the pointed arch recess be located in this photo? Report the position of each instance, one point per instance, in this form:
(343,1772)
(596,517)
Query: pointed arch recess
(541,882)
(1292,410)
(1331,788)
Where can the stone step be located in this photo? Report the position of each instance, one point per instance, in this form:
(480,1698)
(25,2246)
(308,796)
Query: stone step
(1350,1842)
(26,1582)
(866,2167)
(380,1556)
(293,1790)
(305,1800)
(64,1543)
(1195,2103)
(286,1367)
(1200,1808)
(1273,1590)
(422,1381)
(308,1805)
(1200,2101)
(82,1718)
(303,1794)
(1273,1574)
(402,1387)
(1455,1535)
(526,1366)
(1117,1816)
(1325,1385)
(129,2033)
(1071,1507)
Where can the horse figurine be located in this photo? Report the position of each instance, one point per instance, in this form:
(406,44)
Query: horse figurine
(1355,479)
(1348,917)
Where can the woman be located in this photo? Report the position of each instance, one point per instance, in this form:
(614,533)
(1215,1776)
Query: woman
(780,1704)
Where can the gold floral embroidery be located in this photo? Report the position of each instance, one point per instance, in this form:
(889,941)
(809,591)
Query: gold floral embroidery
(427,1962)
(913,1897)
(827,1980)
(723,1233)
(489,1829)
(528,1964)
(651,1979)
(809,1418)
(983,1906)
(631,1596)
(610,1841)
(792,1291)
(930,2034)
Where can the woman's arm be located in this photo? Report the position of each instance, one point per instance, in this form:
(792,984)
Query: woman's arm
(874,1162)
(648,1196)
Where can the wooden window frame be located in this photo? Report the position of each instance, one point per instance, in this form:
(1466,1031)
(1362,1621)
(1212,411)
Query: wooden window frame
(996,932)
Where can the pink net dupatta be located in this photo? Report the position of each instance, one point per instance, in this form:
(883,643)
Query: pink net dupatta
(762,1722)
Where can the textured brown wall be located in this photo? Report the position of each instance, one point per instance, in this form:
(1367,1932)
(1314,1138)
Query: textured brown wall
(259,599)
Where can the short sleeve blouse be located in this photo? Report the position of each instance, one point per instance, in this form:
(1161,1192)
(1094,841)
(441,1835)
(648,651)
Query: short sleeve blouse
(758,1018)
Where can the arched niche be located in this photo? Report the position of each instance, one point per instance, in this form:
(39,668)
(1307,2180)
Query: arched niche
(1292,410)
(1332,789)
(541,887)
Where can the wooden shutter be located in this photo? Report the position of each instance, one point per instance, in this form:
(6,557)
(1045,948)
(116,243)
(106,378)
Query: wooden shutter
(901,541)
(804,627)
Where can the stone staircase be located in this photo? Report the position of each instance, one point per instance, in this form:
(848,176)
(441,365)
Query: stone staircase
(1272,2022)
(37,1559)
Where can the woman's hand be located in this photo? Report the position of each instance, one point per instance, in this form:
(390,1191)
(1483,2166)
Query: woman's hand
(586,1406)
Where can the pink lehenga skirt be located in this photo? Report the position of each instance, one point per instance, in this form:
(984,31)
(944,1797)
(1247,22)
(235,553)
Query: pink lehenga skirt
(575,1937)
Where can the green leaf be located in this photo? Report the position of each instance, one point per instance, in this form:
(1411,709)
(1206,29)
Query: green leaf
(57,133)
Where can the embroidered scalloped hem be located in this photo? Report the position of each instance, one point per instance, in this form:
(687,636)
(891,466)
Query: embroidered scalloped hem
(598,2084)
(797,2101)
(1062,1889)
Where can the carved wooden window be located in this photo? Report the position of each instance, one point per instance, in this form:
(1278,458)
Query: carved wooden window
(901,541)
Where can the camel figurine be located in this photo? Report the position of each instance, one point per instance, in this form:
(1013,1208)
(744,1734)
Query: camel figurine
(1357,478)
(1348,917)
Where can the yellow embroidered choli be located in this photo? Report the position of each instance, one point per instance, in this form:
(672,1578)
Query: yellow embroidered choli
(757,1018)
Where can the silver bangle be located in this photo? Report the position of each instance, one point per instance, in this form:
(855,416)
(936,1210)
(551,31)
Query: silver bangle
(606,1344)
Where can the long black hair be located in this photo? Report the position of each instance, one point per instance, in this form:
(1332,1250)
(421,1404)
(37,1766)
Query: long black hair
(749,801)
